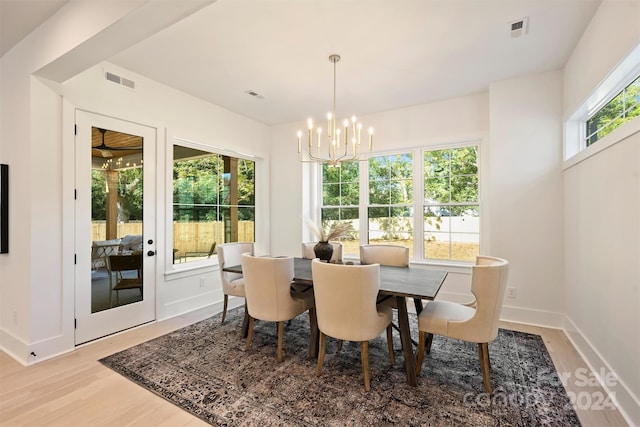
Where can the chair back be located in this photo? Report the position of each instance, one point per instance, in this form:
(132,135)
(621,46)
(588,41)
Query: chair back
(345,298)
(267,285)
(488,285)
(392,255)
(308,252)
(231,254)
(125,263)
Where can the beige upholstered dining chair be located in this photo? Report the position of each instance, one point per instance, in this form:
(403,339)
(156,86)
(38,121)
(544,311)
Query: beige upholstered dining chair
(346,308)
(267,282)
(393,255)
(232,283)
(308,253)
(477,324)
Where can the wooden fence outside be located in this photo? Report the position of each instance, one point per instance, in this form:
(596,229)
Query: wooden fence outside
(187,236)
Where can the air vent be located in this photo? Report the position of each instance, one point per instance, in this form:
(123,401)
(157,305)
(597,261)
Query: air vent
(120,80)
(254,94)
(128,83)
(112,77)
(519,28)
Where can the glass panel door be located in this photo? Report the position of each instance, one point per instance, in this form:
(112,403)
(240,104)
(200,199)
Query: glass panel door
(115,229)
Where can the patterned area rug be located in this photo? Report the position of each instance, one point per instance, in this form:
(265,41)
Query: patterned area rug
(204,369)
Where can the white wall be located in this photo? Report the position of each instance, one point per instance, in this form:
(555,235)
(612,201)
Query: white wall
(602,219)
(526,193)
(448,121)
(36,286)
(190,119)
(24,280)
(613,31)
(521,173)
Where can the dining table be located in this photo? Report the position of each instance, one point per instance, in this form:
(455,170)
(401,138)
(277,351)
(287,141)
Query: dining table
(418,283)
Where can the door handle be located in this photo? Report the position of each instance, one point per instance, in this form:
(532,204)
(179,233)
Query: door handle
(151,253)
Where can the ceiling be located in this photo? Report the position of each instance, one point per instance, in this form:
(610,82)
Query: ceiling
(395,53)
(19,17)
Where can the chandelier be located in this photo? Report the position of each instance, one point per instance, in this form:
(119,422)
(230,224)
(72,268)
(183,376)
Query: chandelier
(340,146)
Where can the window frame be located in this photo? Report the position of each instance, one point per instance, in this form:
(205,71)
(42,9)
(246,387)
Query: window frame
(177,268)
(604,104)
(418,198)
(575,138)
(423,202)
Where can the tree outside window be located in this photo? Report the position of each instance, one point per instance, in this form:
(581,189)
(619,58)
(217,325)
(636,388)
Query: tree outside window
(390,210)
(450,229)
(621,109)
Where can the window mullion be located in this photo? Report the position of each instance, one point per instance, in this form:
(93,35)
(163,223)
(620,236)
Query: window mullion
(418,203)
(364,203)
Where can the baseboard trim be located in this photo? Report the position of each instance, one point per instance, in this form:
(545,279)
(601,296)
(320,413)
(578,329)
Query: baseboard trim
(621,396)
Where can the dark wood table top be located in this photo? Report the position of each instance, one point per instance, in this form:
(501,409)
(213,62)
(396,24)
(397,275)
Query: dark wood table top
(412,282)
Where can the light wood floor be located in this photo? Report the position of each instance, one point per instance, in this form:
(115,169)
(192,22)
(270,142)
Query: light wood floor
(76,390)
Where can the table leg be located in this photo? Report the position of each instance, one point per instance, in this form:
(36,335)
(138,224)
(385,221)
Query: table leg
(418,303)
(405,338)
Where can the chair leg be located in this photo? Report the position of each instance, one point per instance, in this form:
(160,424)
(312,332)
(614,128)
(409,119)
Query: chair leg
(245,321)
(429,341)
(339,345)
(280,356)
(313,335)
(420,351)
(392,356)
(249,333)
(364,355)
(323,347)
(224,307)
(483,353)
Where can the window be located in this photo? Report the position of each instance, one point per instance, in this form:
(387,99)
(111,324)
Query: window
(622,108)
(340,200)
(213,202)
(444,186)
(390,209)
(451,209)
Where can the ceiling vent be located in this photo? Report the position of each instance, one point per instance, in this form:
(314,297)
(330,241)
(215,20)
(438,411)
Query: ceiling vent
(254,94)
(519,28)
(120,80)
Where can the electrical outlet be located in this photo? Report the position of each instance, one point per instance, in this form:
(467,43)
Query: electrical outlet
(511,292)
(202,282)
(15,317)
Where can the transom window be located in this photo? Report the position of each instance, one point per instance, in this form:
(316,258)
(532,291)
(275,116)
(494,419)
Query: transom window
(621,109)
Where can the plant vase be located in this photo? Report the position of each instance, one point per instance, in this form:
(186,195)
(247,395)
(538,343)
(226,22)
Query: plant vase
(323,250)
